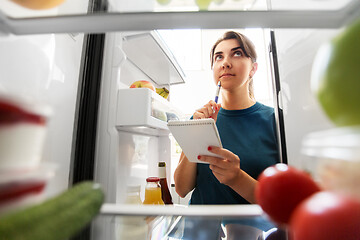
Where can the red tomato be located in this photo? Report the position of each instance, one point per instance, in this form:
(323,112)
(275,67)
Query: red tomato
(281,188)
(326,215)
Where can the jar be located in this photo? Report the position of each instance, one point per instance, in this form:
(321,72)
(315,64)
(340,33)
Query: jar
(153,191)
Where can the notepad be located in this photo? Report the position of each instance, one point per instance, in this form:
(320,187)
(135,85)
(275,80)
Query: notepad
(195,136)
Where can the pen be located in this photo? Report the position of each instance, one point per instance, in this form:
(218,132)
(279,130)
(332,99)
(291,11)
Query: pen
(217,92)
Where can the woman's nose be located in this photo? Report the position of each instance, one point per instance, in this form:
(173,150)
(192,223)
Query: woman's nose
(226,64)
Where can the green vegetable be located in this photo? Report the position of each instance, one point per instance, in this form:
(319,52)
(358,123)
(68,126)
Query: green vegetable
(55,219)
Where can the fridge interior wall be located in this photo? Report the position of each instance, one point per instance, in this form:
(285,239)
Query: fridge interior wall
(45,68)
(124,156)
(296,49)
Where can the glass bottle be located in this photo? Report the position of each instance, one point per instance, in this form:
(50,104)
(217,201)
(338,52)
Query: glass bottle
(133,195)
(165,193)
(153,191)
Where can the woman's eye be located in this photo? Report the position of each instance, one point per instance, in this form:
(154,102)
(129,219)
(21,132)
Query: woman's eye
(238,53)
(218,57)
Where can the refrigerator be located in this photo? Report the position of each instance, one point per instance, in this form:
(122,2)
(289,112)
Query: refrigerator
(81,57)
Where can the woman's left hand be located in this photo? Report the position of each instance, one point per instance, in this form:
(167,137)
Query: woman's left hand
(225,168)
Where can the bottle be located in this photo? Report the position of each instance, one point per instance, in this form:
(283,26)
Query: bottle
(132,227)
(133,195)
(165,193)
(153,191)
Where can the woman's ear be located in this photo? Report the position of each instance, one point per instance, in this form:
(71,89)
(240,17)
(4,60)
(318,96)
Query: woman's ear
(254,69)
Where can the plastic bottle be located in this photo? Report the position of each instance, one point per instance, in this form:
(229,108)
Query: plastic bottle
(132,227)
(165,193)
(133,195)
(153,191)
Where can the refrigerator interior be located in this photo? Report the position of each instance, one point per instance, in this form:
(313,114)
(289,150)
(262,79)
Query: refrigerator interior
(126,154)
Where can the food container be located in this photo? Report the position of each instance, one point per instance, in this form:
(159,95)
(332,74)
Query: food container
(22,188)
(333,156)
(23,125)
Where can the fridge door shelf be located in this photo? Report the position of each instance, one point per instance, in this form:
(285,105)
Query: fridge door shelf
(142,110)
(163,69)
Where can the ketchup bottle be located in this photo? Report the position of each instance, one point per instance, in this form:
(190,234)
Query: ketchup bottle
(165,193)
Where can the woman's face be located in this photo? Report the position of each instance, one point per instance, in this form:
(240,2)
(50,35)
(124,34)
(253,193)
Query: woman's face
(231,66)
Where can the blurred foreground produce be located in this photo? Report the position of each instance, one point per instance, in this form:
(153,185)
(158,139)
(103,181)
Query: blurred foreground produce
(293,200)
(336,77)
(281,188)
(38,4)
(55,219)
(326,215)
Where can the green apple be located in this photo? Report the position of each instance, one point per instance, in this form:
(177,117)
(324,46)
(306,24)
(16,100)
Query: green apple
(203,4)
(336,77)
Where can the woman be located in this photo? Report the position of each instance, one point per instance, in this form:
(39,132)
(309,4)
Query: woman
(246,127)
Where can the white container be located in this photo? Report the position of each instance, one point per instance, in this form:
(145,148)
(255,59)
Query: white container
(143,110)
(23,188)
(333,156)
(23,125)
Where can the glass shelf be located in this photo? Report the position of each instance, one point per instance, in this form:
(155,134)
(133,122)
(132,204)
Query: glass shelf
(185,222)
(179,14)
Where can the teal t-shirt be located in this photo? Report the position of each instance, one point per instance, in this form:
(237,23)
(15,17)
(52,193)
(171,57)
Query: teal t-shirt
(249,133)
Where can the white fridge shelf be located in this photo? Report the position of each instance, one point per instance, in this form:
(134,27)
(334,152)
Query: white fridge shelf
(249,210)
(143,111)
(142,21)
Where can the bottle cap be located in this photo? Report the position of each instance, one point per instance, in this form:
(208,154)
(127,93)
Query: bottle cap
(152,179)
(162,164)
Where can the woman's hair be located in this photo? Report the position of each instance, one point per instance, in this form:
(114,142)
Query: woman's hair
(246,45)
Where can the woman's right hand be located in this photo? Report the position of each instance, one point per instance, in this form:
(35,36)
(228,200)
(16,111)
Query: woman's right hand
(209,110)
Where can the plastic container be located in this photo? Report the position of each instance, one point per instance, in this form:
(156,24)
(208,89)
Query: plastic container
(23,125)
(333,156)
(22,188)
(153,191)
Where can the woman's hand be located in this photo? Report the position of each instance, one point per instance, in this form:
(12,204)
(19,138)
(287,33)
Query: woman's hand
(210,110)
(226,169)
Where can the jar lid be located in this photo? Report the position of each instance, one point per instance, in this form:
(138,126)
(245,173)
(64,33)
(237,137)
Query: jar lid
(152,179)
(162,164)
(339,143)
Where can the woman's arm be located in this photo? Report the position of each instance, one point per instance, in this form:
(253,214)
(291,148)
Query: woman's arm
(184,176)
(185,172)
(227,170)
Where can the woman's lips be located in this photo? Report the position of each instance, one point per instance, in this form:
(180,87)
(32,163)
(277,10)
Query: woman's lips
(226,75)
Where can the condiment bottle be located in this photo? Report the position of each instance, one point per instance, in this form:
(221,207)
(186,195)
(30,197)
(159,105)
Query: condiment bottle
(153,191)
(165,193)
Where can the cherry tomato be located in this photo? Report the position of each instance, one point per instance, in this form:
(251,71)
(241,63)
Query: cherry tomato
(281,188)
(326,215)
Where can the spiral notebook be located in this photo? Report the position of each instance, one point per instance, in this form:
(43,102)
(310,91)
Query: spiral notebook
(195,136)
